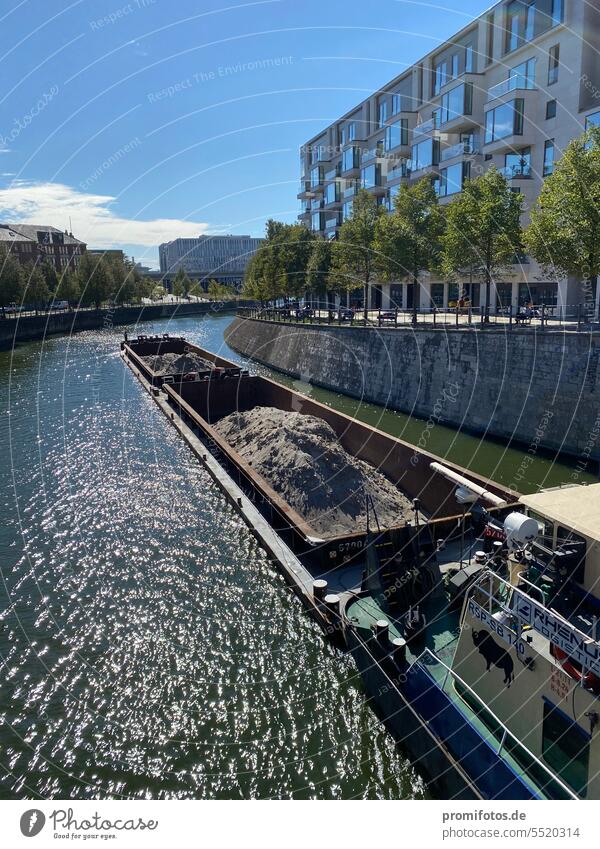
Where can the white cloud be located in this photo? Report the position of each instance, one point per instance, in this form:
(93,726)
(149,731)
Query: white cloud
(93,221)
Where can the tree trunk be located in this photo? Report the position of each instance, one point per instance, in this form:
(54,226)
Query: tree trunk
(366,303)
(415,293)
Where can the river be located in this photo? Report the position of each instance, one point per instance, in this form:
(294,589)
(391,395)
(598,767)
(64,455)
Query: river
(148,647)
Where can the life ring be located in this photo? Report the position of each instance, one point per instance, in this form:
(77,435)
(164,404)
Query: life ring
(574,671)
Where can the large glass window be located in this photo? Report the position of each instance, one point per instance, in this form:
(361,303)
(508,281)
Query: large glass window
(454,66)
(370,176)
(565,747)
(316,177)
(351,131)
(316,221)
(548,157)
(503,121)
(456,102)
(382,113)
(391,196)
(592,120)
(469,57)
(332,192)
(440,76)
(557,12)
(350,158)
(425,154)
(518,164)
(553,64)
(396,134)
(520,23)
(347,210)
(451,179)
(396,104)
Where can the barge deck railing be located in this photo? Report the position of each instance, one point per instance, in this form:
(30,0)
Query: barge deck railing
(506,732)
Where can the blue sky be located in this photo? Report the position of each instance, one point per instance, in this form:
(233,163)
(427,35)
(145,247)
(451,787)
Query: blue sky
(142,120)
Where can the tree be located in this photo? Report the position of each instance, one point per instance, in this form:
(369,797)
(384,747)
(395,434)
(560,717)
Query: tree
(564,233)
(50,275)
(182,283)
(68,288)
(94,279)
(354,261)
(483,229)
(11,279)
(408,241)
(278,268)
(318,267)
(36,288)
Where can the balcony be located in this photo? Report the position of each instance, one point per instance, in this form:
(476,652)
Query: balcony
(372,154)
(515,83)
(351,190)
(334,173)
(425,128)
(305,190)
(517,172)
(400,172)
(463,148)
(331,223)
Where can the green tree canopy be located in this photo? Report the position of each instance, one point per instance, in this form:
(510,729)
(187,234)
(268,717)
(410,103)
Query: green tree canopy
(353,254)
(182,284)
(278,268)
(564,233)
(68,288)
(11,279)
(36,288)
(319,266)
(95,279)
(483,229)
(408,241)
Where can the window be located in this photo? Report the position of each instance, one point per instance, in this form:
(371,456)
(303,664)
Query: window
(592,120)
(347,210)
(451,179)
(557,12)
(371,176)
(351,131)
(523,75)
(520,23)
(332,192)
(518,164)
(490,38)
(550,109)
(456,102)
(548,157)
(350,159)
(396,134)
(441,77)
(425,154)
(343,136)
(454,66)
(553,64)
(391,196)
(396,104)
(565,747)
(469,64)
(316,221)
(316,177)
(506,120)
(382,113)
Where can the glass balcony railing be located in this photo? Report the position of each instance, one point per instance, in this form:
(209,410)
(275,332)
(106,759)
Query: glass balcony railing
(425,127)
(372,153)
(516,172)
(514,83)
(351,190)
(330,223)
(398,173)
(463,148)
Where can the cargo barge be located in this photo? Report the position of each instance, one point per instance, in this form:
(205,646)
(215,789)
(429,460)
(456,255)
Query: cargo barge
(401,599)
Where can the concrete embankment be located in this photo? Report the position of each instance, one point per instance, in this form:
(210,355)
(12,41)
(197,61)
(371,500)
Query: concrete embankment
(31,327)
(539,388)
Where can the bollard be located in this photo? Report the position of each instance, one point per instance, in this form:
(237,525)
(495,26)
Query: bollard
(319,589)
(480,557)
(382,630)
(398,650)
(332,603)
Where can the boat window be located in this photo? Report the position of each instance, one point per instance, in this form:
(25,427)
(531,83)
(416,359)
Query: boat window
(546,528)
(565,748)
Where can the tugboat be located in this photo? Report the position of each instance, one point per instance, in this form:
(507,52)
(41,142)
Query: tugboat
(496,691)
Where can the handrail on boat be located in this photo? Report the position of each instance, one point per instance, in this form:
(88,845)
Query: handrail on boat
(506,732)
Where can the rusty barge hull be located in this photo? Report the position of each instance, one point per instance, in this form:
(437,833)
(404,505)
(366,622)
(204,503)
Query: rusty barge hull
(228,388)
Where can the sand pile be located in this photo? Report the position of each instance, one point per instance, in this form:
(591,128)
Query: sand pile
(162,364)
(302,459)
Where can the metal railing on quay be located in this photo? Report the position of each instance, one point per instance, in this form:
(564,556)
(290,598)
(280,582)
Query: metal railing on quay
(575,318)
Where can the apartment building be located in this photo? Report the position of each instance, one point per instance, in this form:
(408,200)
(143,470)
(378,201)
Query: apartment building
(220,258)
(510,90)
(33,243)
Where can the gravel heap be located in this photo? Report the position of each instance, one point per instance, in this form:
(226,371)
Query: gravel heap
(162,364)
(301,458)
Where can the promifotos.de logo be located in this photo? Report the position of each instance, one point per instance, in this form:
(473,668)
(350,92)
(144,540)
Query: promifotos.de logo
(32,822)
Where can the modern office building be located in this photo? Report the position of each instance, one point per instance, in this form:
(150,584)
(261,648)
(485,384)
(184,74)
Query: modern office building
(511,89)
(220,258)
(33,243)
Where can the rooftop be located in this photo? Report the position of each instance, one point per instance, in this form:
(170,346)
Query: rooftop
(30,231)
(574,507)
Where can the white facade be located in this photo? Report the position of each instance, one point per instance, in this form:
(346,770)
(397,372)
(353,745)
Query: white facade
(510,90)
(222,258)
